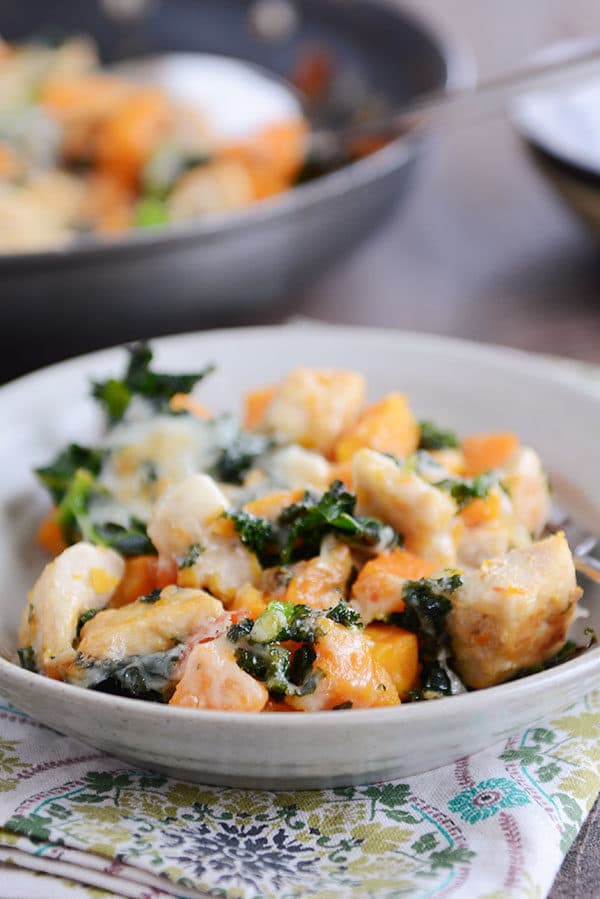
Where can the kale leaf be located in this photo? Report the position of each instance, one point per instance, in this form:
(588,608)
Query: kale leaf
(427,605)
(194,552)
(140,380)
(85,617)
(27,658)
(57,476)
(73,518)
(435,438)
(345,615)
(259,535)
(147,677)
(236,459)
(465,490)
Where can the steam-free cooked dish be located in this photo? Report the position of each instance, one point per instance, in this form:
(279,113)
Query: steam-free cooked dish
(324,554)
(84,151)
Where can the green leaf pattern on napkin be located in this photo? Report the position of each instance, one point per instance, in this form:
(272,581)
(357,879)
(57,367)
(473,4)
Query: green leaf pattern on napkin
(421,837)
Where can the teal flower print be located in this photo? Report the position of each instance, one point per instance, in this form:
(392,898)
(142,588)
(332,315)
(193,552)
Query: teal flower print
(487,798)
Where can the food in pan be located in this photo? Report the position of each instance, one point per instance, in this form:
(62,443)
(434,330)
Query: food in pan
(85,151)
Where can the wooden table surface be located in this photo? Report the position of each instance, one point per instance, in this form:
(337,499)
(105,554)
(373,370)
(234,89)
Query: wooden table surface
(485,250)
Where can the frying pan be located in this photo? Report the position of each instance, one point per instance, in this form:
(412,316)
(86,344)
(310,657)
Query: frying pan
(227,266)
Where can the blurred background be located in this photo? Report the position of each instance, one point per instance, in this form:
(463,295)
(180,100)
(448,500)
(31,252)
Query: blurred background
(474,241)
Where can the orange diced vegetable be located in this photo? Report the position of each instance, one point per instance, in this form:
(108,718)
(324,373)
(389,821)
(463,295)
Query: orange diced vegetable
(387,426)
(272,157)
(271,505)
(49,535)
(256,403)
(143,574)
(486,451)
(377,591)
(250,600)
(397,651)
(480,511)
(350,674)
(185,402)
(126,140)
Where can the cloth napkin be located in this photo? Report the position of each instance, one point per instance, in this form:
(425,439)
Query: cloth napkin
(496,825)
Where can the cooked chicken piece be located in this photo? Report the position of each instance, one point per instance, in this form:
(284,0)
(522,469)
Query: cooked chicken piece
(397,495)
(513,612)
(321,582)
(182,518)
(181,515)
(294,467)
(142,627)
(212,679)
(81,578)
(314,406)
(348,672)
(527,485)
(211,187)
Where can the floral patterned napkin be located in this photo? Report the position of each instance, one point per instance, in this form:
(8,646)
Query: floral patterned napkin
(496,825)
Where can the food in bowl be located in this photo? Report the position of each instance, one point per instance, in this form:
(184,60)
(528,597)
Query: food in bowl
(324,555)
(86,151)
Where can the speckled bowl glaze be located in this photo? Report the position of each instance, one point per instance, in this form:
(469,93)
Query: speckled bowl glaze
(462,385)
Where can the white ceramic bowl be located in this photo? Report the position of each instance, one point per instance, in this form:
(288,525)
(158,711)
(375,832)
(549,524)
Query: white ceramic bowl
(462,385)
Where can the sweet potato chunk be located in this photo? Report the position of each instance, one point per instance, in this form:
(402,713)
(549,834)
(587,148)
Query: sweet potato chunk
(486,451)
(349,673)
(377,592)
(397,651)
(387,426)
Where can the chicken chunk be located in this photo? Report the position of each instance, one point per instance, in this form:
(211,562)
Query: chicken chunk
(142,627)
(81,578)
(527,485)
(212,679)
(396,494)
(513,612)
(182,519)
(294,467)
(349,673)
(315,406)
(181,515)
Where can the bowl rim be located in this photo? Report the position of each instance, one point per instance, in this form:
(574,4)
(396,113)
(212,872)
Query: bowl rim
(460,73)
(576,670)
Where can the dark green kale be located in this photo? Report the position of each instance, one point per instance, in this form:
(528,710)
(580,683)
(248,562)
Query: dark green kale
(301,526)
(465,490)
(275,666)
(140,380)
(147,677)
(27,658)
(193,554)
(151,597)
(427,605)
(85,617)
(258,535)
(240,630)
(236,459)
(304,524)
(57,476)
(345,615)
(343,706)
(435,438)
(74,520)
